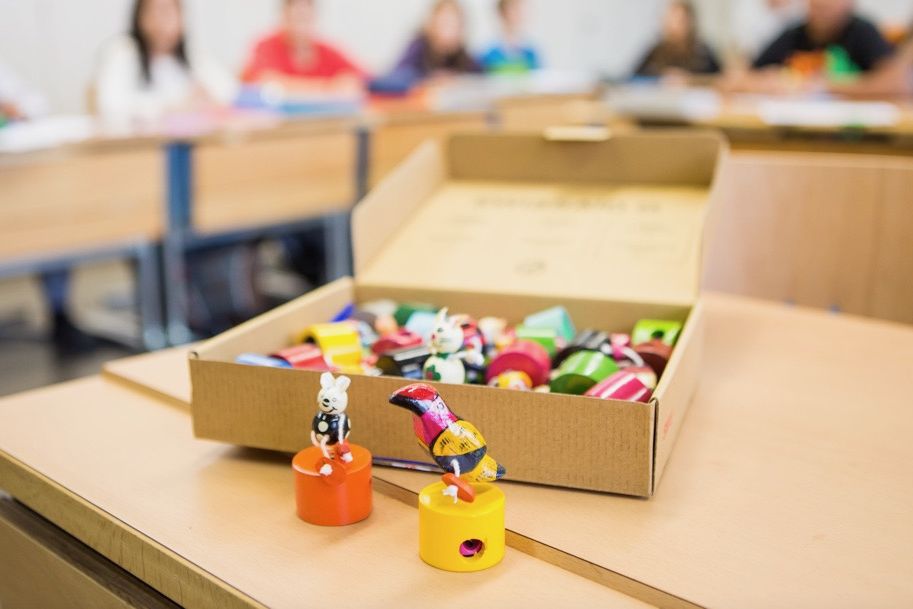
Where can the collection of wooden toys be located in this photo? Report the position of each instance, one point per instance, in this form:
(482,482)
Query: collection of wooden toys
(333,476)
(544,353)
(461,518)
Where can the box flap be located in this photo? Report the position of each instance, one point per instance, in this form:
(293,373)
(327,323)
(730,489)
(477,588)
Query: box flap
(619,218)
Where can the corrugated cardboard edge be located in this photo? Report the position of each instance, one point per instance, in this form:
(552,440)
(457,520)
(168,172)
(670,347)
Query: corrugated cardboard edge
(409,185)
(327,300)
(673,399)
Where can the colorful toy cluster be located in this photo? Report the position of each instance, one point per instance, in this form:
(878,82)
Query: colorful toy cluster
(461,518)
(544,353)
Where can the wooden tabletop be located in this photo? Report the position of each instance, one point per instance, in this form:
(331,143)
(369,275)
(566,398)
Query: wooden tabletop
(214,526)
(788,486)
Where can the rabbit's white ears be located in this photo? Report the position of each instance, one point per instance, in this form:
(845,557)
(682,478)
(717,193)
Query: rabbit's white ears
(327,381)
(441,316)
(343,382)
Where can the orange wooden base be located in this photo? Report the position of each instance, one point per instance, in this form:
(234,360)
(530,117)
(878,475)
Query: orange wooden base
(341,498)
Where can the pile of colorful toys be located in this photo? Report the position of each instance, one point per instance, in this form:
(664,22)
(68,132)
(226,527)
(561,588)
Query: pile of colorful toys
(544,353)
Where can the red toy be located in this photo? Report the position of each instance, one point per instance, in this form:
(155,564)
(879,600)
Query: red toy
(623,385)
(401,339)
(523,356)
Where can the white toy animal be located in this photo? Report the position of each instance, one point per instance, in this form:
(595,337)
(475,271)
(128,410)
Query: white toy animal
(447,354)
(331,426)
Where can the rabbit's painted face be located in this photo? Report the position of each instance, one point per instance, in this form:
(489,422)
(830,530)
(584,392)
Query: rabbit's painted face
(447,335)
(333,398)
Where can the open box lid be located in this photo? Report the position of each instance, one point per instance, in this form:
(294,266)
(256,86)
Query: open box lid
(618,218)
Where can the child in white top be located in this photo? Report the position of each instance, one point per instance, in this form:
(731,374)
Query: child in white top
(153,71)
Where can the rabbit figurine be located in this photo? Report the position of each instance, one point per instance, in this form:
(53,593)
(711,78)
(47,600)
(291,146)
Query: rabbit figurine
(447,353)
(331,426)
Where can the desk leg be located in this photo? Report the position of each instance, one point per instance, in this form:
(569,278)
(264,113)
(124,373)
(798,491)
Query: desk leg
(149,297)
(177,299)
(337,247)
(179,181)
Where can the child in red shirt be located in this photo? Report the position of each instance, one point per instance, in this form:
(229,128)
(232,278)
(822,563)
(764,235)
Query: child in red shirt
(295,57)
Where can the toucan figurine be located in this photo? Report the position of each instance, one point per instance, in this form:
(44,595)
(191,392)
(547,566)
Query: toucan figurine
(454,444)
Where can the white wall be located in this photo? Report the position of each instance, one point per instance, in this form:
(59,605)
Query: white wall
(53,43)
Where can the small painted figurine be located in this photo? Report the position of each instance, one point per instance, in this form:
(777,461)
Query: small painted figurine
(454,444)
(331,425)
(447,353)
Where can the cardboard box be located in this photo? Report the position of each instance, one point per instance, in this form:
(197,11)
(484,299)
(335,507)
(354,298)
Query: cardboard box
(503,225)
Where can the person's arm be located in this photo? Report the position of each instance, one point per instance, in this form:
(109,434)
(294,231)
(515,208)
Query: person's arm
(892,78)
(870,49)
(411,61)
(258,64)
(344,66)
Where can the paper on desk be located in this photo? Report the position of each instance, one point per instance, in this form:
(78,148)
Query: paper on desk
(652,101)
(46,132)
(827,113)
(478,92)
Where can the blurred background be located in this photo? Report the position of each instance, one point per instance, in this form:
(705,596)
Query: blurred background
(56,43)
(152,204)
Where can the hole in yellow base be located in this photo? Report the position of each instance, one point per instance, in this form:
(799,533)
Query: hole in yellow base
(472,548)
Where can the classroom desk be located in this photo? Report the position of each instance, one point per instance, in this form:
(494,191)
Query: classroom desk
(746,131)
(85,202)
(231,185)
(211,526)
(788,485)
(396,128)
(817,229)
(739,117)
(43,567)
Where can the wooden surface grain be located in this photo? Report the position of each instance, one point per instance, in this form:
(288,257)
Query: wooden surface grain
(788,485)
(824,230)
(213,526)
(43,567)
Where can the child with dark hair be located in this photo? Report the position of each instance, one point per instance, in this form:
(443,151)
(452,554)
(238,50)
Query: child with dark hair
(440,48)
(680,48)
(295,56)
(153,70)
(512,54)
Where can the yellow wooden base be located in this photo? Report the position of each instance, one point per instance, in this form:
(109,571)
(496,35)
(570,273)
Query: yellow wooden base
(461,536)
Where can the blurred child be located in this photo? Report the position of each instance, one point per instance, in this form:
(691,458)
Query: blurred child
(833,39)
(153,70)
(757,22)
(295,57)
(440,48)
(680,49)
(513,54)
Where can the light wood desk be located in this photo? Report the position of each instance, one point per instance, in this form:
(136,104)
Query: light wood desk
(303,169)
(746,131)
(538,112)
(79,197)
(832,231)
(395,132)
(214,526)
(788,486)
